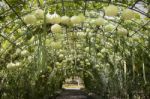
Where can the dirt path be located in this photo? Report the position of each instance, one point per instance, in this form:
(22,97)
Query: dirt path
(73,94)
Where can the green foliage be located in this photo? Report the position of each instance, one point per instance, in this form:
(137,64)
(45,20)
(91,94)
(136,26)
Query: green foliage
(34,61)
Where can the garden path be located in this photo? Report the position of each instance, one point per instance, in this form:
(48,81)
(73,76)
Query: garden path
(73,94)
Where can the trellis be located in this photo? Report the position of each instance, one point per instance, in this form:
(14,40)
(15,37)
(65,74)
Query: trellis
(17,22)
(12,9)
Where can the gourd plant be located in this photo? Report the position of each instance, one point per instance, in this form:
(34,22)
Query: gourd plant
(106,43)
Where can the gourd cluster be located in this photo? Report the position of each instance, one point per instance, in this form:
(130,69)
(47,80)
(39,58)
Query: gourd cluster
(56,19)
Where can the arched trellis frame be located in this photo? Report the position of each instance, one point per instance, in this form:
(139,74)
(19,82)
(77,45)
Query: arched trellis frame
(16,24)
(62,3)
(55,3)
(84,5)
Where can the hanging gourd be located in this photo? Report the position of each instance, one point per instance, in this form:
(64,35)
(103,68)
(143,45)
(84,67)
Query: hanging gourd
(76,20)
(99,21)
(39,13)
(127,14)
(65,20)
(56,28)
(30,19)
(55,18)
(111,10)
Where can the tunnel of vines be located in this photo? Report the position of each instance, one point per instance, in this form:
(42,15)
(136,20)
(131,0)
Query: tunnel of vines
(104,42)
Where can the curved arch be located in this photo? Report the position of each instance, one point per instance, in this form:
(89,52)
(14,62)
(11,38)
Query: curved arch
(83,48)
